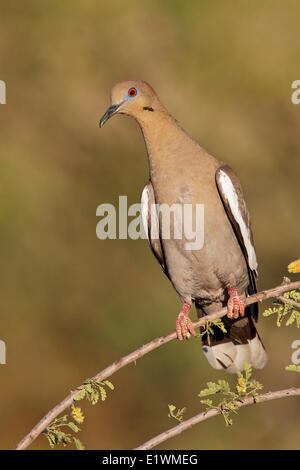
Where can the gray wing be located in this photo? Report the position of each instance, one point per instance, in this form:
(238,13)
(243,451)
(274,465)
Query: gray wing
(150,222)
(231,193)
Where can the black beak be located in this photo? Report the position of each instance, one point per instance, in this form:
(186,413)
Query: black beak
(109,113)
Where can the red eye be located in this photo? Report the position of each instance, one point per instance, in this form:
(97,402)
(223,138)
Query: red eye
(132,92)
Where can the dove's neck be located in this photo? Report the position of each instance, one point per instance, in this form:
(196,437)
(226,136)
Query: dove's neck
(167,143)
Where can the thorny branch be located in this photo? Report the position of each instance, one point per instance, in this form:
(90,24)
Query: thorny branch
(184,425)
(137,354)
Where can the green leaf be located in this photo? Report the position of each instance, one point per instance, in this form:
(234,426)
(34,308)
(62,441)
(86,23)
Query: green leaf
(88,388)
(286,311)
(109,384)
(73,426)
(78,443)
(224,386)
(291,320)
(229,403)
(178,415)
(212,388)
(51,439)
(293,368)
(207,402)
(94,397)
(248,370)
(80,395)
(103,393)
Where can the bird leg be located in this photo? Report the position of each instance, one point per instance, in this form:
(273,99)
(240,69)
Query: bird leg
(183,323)
(235,304)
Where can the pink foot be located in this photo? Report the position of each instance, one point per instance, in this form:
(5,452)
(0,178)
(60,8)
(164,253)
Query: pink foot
(235,305)
(183,323)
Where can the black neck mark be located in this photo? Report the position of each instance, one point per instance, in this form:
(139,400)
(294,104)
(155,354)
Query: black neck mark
(148,108)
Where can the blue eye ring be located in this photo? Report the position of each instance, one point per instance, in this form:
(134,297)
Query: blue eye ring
(132,92)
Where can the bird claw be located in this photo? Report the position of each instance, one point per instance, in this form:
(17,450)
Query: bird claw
(184,326)
(235,305)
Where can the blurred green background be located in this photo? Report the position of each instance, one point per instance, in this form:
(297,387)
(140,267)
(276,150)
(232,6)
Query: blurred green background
(72,304)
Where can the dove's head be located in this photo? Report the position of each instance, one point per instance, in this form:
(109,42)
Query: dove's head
(135,98)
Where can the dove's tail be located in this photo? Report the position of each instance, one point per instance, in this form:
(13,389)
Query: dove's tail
(241,342)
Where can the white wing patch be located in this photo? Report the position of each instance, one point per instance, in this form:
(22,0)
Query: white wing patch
(144,210)
(232,199)
(149,217)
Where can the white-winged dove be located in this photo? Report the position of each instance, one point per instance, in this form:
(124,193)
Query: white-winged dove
(224,270)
